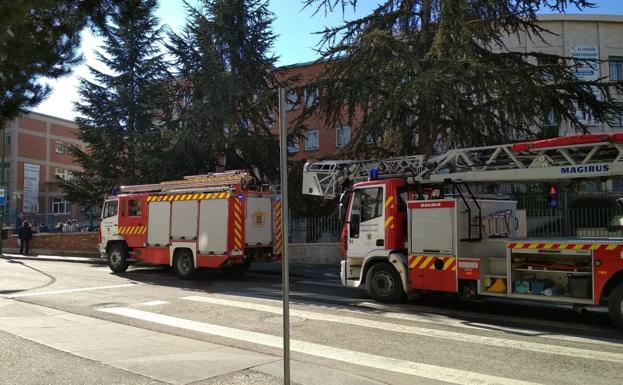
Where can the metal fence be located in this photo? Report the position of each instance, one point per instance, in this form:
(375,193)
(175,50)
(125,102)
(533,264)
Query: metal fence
(580,222)
(314,230)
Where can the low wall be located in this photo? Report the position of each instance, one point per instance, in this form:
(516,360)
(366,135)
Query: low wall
(70,244)
(85,245)
(315,253)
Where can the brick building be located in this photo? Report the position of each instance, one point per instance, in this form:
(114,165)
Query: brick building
(36,151)
(319,140)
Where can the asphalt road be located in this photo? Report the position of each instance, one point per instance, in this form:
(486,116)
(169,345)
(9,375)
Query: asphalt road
(338,335)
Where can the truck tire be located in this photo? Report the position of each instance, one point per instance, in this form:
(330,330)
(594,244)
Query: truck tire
(384,284)
(184,265)
(615,306)
(118,258)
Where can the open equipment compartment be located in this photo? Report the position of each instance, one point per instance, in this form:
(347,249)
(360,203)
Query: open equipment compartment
(550,271)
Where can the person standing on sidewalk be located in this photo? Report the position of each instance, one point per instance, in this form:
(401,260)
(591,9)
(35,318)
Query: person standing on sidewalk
(24,235)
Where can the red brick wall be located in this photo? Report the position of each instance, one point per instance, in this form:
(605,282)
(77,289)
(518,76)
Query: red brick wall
(303,74)
(31,146)
(75,244)
(32,124)
(66,131)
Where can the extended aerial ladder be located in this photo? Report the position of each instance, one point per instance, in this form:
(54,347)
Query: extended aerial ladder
(573,157)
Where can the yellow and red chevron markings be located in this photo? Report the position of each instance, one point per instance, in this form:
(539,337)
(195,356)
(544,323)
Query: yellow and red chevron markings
(565,246)
(428,262)
(188,197)
(237,224)
(132,230)
(277,235)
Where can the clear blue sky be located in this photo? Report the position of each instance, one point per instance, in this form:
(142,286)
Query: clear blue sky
(295,42)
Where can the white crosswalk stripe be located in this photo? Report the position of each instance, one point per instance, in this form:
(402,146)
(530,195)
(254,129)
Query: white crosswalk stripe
(365,306)
(426,332)
(433,372)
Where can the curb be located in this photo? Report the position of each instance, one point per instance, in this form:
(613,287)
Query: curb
(51,258)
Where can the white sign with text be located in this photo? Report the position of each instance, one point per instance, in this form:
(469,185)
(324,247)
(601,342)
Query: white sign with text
(31,188)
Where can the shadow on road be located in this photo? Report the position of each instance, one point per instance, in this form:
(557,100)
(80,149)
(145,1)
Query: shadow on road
(50,281)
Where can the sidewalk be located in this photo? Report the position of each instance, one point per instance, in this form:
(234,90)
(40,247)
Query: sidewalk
(159,356)
(55,258)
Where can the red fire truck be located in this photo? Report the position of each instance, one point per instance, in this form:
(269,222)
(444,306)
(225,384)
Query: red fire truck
(214,221)
(419,223)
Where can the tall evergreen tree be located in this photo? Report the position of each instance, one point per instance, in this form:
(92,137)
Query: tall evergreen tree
(124,109)
(417,75)
(39,40)
(224,86)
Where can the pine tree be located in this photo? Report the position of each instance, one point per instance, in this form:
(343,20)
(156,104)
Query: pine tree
(226,89)
(124,110)
(420,75)
(39,40)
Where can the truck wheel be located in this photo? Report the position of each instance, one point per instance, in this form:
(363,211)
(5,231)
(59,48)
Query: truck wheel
(615,306)
(118,258)
(184,265)
(384,284)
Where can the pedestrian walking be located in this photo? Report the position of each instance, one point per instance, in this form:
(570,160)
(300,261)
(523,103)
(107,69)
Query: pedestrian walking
(24,235)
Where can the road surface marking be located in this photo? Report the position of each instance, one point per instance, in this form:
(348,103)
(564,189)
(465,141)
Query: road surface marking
(375,309)
(154,303)
(438,373)
(426,332)
(37,293)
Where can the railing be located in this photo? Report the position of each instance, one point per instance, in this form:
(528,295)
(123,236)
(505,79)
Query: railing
(580,222)
(314,230)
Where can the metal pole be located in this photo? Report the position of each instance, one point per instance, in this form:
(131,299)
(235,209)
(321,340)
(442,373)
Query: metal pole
(2,185)
(285,272)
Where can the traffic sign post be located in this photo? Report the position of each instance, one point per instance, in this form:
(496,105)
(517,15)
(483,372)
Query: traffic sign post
(285,271)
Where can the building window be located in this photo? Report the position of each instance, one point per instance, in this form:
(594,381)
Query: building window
(311,96)
(342,136)
(293,146)
(617,184)
(60,206)
(617,120)
(63,173)
(60,147)
(7,173)
(369,139)
(7,140)
(292,100)
(616,68)
(312,141)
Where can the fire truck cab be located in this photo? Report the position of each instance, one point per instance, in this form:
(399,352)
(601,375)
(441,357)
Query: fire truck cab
(413,224)
(207,221)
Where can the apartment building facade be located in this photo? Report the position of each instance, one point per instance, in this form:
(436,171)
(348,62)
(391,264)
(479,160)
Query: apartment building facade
(36,151)
(585,37)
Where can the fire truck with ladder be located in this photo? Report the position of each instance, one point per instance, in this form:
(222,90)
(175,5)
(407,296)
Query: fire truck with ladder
(418,223)
(214,221)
